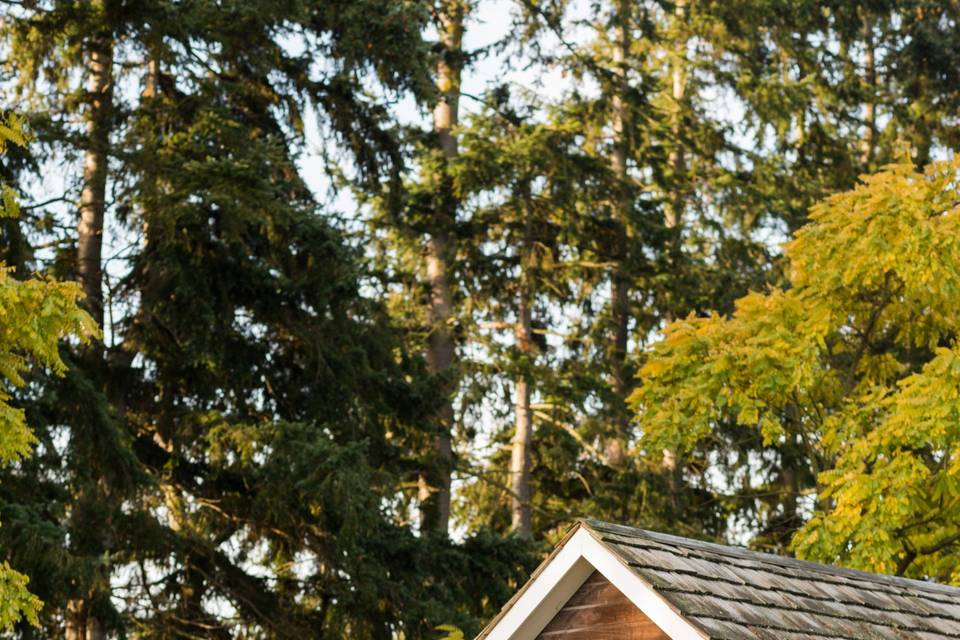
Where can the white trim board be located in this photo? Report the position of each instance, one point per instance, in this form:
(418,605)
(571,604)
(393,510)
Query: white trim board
(566,572)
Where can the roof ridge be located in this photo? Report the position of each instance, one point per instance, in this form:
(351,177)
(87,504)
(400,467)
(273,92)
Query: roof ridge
(760,556)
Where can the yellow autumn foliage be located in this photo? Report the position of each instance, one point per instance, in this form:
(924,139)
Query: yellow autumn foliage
(857,359)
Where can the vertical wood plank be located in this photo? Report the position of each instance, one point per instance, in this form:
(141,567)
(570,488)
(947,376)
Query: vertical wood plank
(598,611)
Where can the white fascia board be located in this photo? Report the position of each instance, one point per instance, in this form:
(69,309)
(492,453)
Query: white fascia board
(566,573)
(651,603)
(547,594)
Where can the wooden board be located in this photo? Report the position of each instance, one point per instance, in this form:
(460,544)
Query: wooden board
(598,611)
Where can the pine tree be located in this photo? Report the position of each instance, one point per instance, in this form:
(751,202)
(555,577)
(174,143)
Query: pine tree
(242,359)
(37,313)
(441,251)
(520,180)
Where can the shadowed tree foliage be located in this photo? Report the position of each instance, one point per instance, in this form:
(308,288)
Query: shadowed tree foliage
(37,313)
(229,461)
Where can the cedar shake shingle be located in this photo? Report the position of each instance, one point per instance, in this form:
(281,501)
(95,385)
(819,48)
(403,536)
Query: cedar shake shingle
(732,593)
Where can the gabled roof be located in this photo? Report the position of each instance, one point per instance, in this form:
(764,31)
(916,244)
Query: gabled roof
(698,590)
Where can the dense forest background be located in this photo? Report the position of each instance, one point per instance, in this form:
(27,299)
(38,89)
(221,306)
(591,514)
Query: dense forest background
(372,335)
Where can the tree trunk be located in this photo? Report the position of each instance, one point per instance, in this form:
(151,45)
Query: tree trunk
(92,197)
(673,218)
(434,489)
(521,511)
(81,623)
(678,81)
(615,447)
(870,108)
(76,621)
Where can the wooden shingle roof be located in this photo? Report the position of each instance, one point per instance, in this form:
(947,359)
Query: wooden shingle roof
(729,593)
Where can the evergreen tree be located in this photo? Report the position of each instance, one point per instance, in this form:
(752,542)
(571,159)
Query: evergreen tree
(440,252)
(241,359)
(522,182)
(37,313)
(646,234)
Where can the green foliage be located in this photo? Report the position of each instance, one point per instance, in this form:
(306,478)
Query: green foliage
(16,601)
(246,440)
(737,118)
(35,315)
(854,364)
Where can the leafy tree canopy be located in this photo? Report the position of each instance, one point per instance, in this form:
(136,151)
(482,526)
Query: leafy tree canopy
(855,362)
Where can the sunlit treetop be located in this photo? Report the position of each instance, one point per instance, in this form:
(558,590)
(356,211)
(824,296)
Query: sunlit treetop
(855,363)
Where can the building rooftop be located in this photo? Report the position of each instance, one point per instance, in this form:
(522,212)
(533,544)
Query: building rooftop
(731,593)
(734,593)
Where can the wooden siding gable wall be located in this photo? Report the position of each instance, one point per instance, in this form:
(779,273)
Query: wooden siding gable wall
(578,557)
(599,611)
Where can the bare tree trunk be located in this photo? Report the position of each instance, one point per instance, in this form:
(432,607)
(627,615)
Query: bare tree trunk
(76,620)
(521,511)
(678,78)
(93,195)
(523,435)
(615,447)
(81,623)
(673,218)
(434,484)
(870,108)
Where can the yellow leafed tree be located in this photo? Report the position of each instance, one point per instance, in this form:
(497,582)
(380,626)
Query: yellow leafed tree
(856,363)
